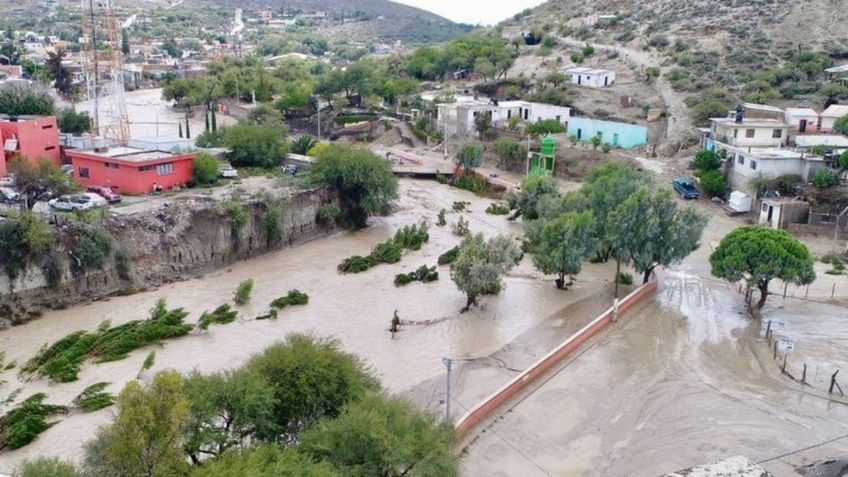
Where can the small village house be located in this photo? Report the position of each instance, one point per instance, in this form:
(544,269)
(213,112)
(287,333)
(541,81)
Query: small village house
(835,143)
(29,137)
(458,118)
(779,212)
(591,77)
(830,115)
(745,164)
(801,120)
(612,133)
(747,132)
(131,170)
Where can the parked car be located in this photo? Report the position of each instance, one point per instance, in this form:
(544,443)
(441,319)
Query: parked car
(107,193)
(9,196)
(228,171)
(77,202)
(685,186)
(68,169)
(290,169)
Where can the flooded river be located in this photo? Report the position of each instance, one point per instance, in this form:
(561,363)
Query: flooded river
(356,309)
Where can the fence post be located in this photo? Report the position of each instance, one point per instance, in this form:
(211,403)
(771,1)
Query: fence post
(785,284)
(804,375)
(768,332)
(833,291)
(774,355)
(783,368)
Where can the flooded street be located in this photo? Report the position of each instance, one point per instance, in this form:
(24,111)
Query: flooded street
(356,309)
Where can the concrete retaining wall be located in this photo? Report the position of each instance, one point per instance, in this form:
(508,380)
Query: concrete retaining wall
(488,406)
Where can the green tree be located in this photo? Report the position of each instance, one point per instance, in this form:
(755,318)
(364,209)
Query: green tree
(596,142)
(839,126)
(759,255)
(40,179)
(364,182)
(652,73)
(257,146)
(564,245)
(824,178)
(511,154)
(205,168)
(533,189)
(470,157)
(543,127)
(833,92)
(480,266)
(227,409)
(26,239)
(73,122)
(59,73)
(145,437)
(706,160)
(125,41)
(381,436)
(19,99)
(842,162)
(648,230)
(713,182)
(264,460)
(311,379)
(46,467)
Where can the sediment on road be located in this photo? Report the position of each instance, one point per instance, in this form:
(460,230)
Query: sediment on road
(181,240)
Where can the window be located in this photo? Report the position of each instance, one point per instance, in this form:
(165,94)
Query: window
(777,133)
(749,133)
(742,160)
(165,169)
(754,165)
(735,133)
(49,148)
(83,172)
(49,126)
(111,165)
(765,207)
(145,168)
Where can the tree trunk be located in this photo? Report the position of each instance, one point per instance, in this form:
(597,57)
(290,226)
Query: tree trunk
(763,295)
(617,273)
(470,301)
(647,276)
(560,282)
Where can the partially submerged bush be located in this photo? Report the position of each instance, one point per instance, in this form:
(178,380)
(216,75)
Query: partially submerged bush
(624,278)
(356,264)
(440,219)
(221,316)
(386,252)
(294,297)
(423,274)
(449,256)
(23,423)
(460,228)
(497,209)
(243,292)
(94,398)
(412,237)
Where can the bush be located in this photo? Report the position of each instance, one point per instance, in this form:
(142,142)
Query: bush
(448,257)
(293,298)
(46,467)
(497,209)
(329,213)
(73,122)
(238,218)
(94,398)
(356,264)
(24,422)
(255,146)
(93,246)
(460,205)
(386,252)
(220,316)
(205,168)
(577,57)
(423,274)
(624,279)
(412,237)
(440,219)
(272,220)
(25,238)
(510,153)
(470,182)
(714,183)
(543,127)
(303,144)
(460,228)
(243,291)
(706,160)
(824,178)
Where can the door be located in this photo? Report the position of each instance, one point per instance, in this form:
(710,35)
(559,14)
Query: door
(579,133)
(770,214)
(579,79)
(615,139)
(802,127)
(606,80)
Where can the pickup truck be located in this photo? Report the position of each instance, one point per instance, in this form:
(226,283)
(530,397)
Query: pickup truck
(685,186)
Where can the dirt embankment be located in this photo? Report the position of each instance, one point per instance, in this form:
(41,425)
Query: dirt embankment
(179,240)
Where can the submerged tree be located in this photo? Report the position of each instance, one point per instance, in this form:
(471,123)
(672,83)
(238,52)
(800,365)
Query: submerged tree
(760,254)
(564,245)
(480,266)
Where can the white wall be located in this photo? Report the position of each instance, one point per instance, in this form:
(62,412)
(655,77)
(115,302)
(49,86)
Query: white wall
(794,120)
(593,80)
(762,135)
(827,124)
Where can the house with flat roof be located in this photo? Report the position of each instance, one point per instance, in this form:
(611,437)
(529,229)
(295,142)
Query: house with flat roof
(30,137)
(831,141)
(613,133)
(591,77)
(745,164)
(830,115)
(131,170)
(801,120)
(458,118)
(748,132)
(762,111)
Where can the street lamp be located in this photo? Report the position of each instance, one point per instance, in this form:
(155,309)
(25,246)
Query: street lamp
(448,364)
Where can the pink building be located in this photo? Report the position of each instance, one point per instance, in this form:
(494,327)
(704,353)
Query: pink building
(29,137)
(131,170)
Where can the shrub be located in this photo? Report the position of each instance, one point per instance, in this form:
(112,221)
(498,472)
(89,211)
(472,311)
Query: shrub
(460,228)
(824,178)
(46,467)
(73,122)
(25,238)
(577,57)
(386,252)
(220,316)
(243,291)
(440,220)
(272,220)
(93,246)
(713,182)
(94,398)
(356,264)
(624,278)
(123,262)
(23,423)
(543,127)
(329,213)
(303,144)
(460,205)
(294,297)
(706,160)
(412,237)
(497,209)
(205,168)
(423,274)
(469,182)
(510,153)
(449,256)
(238,217)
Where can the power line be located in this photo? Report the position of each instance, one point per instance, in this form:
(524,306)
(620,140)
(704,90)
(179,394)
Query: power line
(803,449)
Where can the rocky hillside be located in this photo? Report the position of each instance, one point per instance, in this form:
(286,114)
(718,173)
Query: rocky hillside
(377,19)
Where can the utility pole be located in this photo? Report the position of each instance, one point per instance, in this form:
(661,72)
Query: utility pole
(448,364)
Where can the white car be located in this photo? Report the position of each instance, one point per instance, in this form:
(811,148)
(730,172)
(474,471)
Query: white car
(8,195)
(77,202)
(228,171)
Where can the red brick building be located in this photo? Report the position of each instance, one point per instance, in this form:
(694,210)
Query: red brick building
(29,137)
(130,170)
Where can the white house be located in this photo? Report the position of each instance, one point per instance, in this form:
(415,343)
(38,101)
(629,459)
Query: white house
(836,142)
(748,132)
(831,114)
(769,163)
(457,118)
(591,77)
(801,119)
(531,112)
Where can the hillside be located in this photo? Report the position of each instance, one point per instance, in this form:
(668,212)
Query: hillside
(378,19)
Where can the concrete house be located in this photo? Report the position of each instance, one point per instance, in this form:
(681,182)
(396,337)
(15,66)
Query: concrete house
(591,77)
(748,132)
(531,112)
(613,133)
(770,163)
(762,111)
(830,115)
(457,119)
(801,120)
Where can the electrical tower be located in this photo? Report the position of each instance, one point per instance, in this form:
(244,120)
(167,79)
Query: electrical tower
(102,65)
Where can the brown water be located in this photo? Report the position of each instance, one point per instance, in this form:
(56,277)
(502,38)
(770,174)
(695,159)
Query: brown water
(356,309)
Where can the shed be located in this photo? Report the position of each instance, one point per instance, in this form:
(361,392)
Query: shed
(801,119)
(591,77)
(778,213)
(831,114)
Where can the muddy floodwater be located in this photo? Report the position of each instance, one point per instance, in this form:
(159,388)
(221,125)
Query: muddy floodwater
(356,309)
